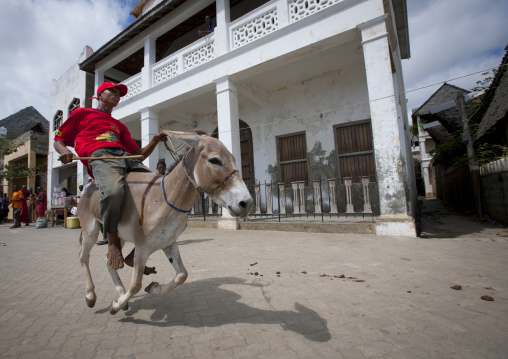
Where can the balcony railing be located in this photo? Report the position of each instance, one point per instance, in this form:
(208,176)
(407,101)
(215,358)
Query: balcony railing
(252,26)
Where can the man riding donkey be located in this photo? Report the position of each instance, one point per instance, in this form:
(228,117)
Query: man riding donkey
(95,133)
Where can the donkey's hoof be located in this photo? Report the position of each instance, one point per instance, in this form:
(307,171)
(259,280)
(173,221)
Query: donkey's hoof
(112,310)
(90,302)
(126,307)
(150,286)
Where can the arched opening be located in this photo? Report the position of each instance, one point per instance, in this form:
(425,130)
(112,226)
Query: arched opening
(246,151)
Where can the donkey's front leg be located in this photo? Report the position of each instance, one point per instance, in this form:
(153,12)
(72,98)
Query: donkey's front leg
(173,255)
(137,276)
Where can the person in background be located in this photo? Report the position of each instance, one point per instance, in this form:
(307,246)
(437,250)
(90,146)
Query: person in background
(81,189)
(4,208)
(210,26)
(17,204)
(31,205)
(23,217)
(161,167)
(41,202)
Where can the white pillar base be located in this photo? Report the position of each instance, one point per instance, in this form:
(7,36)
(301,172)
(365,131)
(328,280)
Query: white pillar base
(226,221)
(396,226)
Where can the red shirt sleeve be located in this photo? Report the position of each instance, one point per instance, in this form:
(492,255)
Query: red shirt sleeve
(69,129)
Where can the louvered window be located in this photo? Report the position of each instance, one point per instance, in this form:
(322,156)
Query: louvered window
(356,152)
(292,158)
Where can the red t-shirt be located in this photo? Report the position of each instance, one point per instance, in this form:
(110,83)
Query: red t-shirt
(88,130)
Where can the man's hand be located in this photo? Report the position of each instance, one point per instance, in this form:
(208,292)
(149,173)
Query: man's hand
(66,157)
(161,136)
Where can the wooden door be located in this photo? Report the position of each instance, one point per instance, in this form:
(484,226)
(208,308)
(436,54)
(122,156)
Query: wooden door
(247,168)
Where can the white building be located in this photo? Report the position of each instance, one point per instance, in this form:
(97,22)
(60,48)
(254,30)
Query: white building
(315,86)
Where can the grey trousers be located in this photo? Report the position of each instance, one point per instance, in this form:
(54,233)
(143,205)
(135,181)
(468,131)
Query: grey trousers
(109,176)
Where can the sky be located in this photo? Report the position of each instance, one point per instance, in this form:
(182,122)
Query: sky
(41,39)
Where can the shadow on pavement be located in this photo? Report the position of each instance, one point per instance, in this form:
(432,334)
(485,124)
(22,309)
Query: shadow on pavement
(191,241)
(216,306)
(440,220)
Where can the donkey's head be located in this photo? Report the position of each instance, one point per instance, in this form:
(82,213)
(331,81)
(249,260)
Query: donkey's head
(212,169)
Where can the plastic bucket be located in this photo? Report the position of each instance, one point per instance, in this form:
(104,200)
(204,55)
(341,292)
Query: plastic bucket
(73,222)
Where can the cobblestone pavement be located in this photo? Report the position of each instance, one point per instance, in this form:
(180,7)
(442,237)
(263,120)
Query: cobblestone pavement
(259,294)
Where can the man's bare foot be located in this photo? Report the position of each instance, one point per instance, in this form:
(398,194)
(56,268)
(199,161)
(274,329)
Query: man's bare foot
(115,258)
(129,260)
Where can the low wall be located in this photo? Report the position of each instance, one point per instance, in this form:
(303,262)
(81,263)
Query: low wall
(494,187)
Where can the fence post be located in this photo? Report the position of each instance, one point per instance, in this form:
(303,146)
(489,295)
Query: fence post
(303,199)
(317,197)
(296,207)
(367,208)
(333,199)
(282,199)
(268,194)
(349,195)
(258,199)
(210,205)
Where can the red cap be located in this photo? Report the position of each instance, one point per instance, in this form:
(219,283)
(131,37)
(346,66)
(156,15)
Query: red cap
(107,85)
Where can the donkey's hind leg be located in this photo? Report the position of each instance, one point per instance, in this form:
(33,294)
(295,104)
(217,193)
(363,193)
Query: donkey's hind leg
(173,255)
(88,238)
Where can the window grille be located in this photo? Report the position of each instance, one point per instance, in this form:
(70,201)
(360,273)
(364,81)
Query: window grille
(74,105)
(57,120)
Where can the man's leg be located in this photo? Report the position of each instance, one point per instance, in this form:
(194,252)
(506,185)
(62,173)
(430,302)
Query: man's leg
(109,176)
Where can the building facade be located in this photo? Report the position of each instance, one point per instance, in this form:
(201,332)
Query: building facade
(296,90)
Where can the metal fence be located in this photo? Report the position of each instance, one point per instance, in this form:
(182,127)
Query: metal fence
(324,198)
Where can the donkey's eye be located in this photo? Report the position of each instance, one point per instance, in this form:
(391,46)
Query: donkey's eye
(215,161)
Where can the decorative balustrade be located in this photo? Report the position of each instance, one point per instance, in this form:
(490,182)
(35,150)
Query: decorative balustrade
(325,198)
(133,84)
(199,56)
(165,71)
(299,9)
(248,28)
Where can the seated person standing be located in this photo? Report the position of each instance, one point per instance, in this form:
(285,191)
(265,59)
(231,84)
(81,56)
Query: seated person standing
(161,167)
(95,133)
(210,26)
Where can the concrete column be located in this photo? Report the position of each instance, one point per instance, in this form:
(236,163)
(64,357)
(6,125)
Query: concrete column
(394,219)
(221,32)
(149,128)
(149,60)
(229,134)
(99,79)
(429,191)
(228,117)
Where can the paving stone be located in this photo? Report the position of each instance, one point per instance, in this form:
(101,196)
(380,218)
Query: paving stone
(224,312)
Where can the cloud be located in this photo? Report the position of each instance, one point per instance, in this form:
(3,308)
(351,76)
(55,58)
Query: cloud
(450,39)
(41,39)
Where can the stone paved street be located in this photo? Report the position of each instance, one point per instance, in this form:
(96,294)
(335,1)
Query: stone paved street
(394,301)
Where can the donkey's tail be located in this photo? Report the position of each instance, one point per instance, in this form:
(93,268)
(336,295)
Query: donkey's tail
(81,237)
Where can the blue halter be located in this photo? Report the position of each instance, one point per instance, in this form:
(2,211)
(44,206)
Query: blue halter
(169,204)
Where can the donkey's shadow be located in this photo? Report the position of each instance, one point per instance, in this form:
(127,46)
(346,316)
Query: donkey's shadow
(204,303)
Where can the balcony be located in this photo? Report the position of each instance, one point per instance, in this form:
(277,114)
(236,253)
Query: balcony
(239,35)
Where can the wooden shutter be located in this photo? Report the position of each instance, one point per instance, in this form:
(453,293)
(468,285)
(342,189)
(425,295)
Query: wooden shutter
(356,152)
(293,158)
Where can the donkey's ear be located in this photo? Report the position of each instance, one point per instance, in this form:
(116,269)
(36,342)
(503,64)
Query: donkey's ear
(200,132)
(189,139)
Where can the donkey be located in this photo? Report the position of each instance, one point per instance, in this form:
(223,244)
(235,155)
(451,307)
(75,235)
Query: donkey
(155,212)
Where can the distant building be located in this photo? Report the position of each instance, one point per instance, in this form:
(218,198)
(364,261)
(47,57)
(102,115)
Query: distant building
(30,129)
